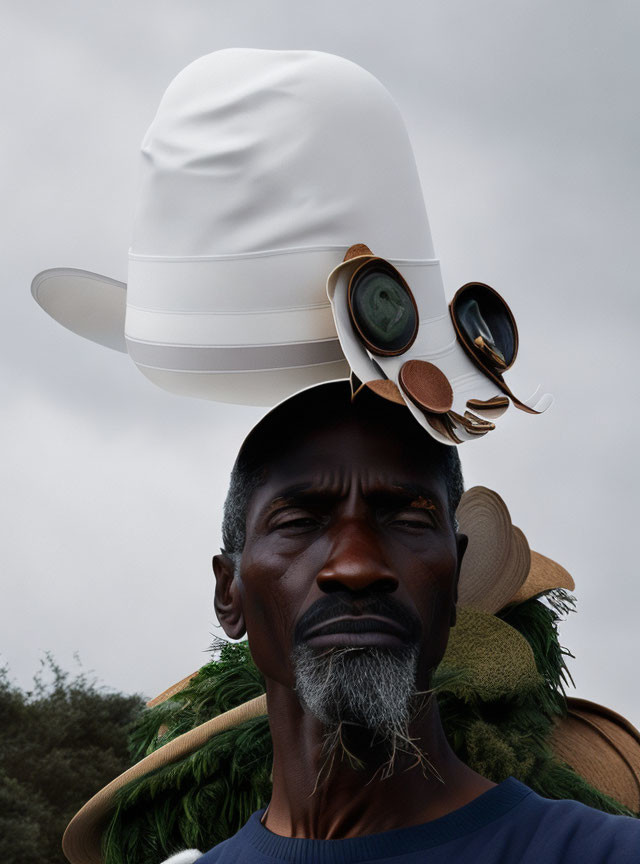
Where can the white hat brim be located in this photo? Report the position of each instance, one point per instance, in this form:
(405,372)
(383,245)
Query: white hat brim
(86,303)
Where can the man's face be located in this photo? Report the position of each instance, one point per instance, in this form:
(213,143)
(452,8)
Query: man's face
(349,543)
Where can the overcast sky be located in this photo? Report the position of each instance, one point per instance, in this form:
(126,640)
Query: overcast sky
(525,122)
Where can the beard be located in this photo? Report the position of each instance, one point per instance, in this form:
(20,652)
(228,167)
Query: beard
(351,690)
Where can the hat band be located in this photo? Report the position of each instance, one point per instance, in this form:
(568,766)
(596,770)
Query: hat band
(257,282)
(279,279)
(239,358)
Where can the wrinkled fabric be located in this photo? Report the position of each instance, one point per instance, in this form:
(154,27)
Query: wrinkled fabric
(253,150)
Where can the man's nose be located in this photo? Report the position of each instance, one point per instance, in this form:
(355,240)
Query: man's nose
(356,562)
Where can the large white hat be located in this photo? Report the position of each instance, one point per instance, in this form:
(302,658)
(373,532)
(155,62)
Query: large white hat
(259,171)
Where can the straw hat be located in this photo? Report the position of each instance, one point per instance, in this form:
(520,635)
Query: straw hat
(603,747)
(498,567)
(258,173)
(544,574)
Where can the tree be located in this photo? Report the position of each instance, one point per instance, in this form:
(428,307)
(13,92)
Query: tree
(60,742)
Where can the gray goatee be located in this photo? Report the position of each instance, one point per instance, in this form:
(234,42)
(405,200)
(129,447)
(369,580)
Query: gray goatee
(371,688)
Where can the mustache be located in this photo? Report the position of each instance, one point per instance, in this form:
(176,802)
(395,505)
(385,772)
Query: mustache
(343,603)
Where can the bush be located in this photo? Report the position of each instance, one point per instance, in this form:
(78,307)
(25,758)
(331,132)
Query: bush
(60,742)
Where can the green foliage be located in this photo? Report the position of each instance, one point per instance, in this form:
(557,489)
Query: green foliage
(208,796)
(538,623)
(196,802)
(509,736)
(230,679)
(59,743)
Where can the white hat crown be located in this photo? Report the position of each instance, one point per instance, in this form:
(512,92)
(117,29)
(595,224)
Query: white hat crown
(253,150)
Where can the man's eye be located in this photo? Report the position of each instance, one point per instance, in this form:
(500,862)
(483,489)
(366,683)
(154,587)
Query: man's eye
(294,523)
(412,521)
(302,522)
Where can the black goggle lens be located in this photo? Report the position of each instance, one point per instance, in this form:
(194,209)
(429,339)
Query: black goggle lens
(485,320)
(382,310)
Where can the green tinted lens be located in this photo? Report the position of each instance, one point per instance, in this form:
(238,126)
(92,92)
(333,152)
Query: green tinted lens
(383,311)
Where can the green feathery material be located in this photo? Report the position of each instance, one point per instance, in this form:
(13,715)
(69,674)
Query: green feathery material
(227,681)
(500,731)
(196,802)
(538,623)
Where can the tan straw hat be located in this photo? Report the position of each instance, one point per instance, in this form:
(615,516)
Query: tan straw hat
(544,575)
(497,560)
(82,841)
(499,568)
(171,691)
(603,747)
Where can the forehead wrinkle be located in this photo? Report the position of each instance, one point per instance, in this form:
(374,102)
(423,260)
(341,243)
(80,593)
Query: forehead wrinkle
(340,481)
(328,482)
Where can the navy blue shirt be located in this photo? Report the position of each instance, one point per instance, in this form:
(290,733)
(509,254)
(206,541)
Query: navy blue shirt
(508,824)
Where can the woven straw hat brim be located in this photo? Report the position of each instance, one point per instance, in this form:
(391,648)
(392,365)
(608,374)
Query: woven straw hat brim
(82,841)
(499,568)
(497,560)
(171,691)
(603,747)
(544,575)
(598,743)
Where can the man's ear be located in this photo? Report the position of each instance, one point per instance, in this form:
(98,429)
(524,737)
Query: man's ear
(227,601)
(462,541)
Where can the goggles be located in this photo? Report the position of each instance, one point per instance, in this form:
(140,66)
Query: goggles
(385,319)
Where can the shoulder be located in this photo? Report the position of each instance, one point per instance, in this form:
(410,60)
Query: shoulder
(568,831)
(237,849)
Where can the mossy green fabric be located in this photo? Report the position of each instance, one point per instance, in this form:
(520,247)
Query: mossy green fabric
(499,687)
(492,658)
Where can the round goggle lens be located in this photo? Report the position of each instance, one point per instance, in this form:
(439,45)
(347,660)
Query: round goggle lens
(487,324)
(383,311)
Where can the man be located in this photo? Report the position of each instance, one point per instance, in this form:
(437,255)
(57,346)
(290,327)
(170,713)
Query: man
(280,241)
(341,566)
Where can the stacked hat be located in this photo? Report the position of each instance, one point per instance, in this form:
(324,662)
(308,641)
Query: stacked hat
(281,240)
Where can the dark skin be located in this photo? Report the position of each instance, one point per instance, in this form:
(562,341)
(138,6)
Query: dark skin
(348,511)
